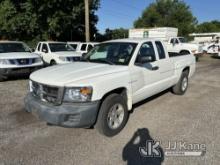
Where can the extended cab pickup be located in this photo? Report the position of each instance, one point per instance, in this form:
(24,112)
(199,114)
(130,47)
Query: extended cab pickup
(57,52)
(101,89)
(16,58)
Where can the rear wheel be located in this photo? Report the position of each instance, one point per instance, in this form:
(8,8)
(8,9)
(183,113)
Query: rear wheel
(113,115)
(181,87)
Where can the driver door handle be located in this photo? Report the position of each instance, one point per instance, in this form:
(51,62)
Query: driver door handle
(155,68)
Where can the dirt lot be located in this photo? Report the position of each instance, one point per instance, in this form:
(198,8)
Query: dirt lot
(192,118)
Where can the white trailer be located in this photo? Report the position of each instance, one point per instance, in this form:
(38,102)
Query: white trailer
(170,38)
(164,33)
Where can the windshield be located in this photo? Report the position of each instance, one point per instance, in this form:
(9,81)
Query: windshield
(74,46)
(59,47)
(112,53)
(182,40)
(13,47)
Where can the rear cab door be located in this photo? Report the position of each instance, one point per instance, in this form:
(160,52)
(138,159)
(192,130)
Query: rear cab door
(166,65)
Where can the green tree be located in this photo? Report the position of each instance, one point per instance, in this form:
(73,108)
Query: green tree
(213,26)
(168,13)
(115,34)
(42,19)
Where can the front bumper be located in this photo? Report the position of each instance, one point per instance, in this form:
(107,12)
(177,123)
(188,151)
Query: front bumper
(16,71)
(66,115)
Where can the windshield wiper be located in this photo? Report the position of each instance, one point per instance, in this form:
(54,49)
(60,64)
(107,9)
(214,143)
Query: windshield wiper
(103,60)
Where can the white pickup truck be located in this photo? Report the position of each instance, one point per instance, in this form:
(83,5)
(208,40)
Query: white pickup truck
(101,89)
(179,45)
(82,47)
(16,58)
(56,52)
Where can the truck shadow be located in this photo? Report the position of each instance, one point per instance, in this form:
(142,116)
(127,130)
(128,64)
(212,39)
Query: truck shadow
(17,77)
(149,99)
(137,152)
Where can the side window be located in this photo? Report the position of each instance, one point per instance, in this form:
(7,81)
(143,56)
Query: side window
(176,41)
(44,48)
(39,45)
(146,53)
(89,47)
(160,50)
(83,47)
(172,41)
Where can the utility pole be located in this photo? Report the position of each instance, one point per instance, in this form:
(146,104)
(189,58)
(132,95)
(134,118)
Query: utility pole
(87,31)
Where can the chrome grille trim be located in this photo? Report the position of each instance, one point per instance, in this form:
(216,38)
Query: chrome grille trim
(47,93)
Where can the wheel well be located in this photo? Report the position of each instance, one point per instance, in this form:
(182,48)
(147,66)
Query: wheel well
(184,52)
(186,69)
(121,91)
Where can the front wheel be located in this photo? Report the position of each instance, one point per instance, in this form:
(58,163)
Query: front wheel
(181,87)
(113,115)
(53,63)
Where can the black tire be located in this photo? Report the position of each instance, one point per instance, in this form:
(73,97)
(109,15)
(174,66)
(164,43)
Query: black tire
(2,77)
(184,52)
(178,89)
(106,107)
(52,62)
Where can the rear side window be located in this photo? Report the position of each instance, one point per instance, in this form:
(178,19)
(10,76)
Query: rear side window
(38,48)
(160,50)
(83,47)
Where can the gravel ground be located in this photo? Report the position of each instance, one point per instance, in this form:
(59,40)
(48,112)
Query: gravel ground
(192,118)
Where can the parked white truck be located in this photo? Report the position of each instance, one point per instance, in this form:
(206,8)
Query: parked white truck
(16,58)
(101,89)
(56,52)
(82,47)
(170,38)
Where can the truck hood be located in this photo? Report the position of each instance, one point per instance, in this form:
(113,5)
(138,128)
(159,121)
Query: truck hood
(18,55)
(62,75)
(67,54)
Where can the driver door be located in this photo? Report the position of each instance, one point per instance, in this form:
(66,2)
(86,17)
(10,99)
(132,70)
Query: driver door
(45,53)
(145,75)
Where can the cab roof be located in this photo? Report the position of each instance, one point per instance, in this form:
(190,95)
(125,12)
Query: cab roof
(134,40)
(7,41)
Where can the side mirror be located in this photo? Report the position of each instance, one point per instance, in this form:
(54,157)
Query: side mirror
(145,59)
(44,50)
(33,50)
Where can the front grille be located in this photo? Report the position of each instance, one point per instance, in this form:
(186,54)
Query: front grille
(47,93)
(73,58)
(23,61)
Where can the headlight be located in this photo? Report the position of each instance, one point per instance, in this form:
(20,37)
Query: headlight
(63,58)
(78,94)
(4,62)
(37,60)
(30,86)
